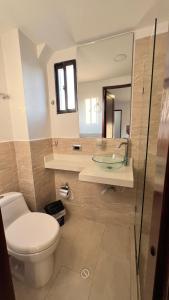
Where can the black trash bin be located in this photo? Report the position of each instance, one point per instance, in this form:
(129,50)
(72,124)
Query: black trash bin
(57,210)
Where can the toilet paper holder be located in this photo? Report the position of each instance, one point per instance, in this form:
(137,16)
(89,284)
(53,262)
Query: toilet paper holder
(64,191)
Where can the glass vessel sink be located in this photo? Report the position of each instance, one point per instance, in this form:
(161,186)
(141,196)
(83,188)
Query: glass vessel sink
(109,161)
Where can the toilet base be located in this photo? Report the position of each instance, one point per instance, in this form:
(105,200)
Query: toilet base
(34,269)
(34,274)
(17,268)
(38,274)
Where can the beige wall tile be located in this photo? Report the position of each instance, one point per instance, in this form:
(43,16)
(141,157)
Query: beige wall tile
(8,169)
(25,173)
(35,182)
(88,146)
(43,179)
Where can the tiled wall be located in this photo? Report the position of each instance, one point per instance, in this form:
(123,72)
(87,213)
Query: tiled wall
(8,169)
(140,110)
(64,145)
(35,182)
(25,173)
(44,183)
(88,200)
(22,169)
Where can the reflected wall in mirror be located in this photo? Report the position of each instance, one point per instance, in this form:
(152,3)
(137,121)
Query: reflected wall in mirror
(104,87)
(116,111)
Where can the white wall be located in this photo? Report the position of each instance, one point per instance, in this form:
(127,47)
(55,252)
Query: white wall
(27,87)
(62,125)
(14,79)
(94,90)
(5,116)
(35,90)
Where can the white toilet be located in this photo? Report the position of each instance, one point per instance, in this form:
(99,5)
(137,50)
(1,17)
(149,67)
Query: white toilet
(31,237)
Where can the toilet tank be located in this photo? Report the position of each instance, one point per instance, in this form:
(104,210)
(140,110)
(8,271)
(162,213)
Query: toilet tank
(12,206)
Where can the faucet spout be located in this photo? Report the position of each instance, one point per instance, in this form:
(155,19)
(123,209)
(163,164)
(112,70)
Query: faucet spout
(126,156)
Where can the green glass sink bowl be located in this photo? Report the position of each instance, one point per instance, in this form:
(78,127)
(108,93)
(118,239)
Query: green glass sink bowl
(109,161)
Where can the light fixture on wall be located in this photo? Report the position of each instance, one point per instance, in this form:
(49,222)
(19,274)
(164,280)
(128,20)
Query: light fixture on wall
(110,96)
(120,57)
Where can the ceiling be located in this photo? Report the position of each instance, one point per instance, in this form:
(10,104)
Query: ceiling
(121,94)
(61,24)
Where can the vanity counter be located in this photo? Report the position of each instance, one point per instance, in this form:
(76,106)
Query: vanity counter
(67,162)
(90,171)
(122,176)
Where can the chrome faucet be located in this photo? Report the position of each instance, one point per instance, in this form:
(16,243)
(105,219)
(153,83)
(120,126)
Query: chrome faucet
(126,156)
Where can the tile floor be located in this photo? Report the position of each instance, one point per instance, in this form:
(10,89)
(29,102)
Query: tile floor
(105,251)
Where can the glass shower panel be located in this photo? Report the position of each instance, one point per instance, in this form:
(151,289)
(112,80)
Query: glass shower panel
(143,65)
(150,163)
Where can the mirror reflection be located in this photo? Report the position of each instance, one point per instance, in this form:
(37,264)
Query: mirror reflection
(116,111)
(104,74)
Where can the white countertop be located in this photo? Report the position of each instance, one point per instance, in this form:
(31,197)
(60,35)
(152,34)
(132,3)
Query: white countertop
(90,171)
(67,162)
(122,176)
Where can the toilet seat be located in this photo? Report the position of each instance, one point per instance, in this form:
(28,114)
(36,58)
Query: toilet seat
(32,233)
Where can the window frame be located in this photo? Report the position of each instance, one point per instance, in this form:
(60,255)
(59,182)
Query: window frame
(63,65)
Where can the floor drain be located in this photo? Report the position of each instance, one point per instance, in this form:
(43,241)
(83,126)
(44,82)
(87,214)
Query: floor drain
(85,273)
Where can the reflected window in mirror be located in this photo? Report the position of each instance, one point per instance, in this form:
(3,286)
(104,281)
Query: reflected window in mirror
(66,86)
(91,105)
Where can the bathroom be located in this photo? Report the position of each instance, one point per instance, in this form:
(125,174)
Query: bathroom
(83,120)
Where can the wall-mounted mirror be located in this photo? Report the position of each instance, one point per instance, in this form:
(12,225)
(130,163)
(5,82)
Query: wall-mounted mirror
(104,70)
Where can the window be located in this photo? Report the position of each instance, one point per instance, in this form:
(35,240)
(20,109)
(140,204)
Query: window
(66,86)
(91,105)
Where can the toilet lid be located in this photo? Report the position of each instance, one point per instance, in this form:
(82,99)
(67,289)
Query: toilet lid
(31,233)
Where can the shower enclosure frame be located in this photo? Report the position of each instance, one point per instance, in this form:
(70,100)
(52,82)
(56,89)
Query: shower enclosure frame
(6,285)
(157,277)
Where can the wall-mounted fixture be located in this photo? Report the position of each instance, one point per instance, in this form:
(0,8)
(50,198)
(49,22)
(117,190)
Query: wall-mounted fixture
(52,102)
(55,143)
(4,96)
(120,57)
(77,147)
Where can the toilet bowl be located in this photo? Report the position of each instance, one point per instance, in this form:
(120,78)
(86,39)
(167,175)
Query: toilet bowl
(31,238)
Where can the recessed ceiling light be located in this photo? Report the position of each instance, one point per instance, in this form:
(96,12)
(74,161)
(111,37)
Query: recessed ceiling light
(120,57)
